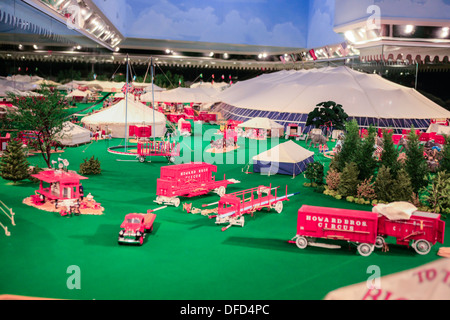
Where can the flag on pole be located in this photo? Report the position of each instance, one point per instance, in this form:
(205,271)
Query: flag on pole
(282,59)
(343,49)
(313,54)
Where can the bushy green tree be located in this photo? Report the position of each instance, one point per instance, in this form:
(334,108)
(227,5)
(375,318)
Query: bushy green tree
(45,115)
(349,146)
(444,164)
(437,192)
(364,155)
(402,186)
(415,163)
(349,180)
(384,185)
(90,167)
(315,172)
(329,114)
(390,154)
(13,163)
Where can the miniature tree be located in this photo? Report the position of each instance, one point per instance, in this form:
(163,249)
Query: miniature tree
(437,192)
(13,163)
(364,156)
(315,172)
(349,180)
(402,186)
(349,146)
(45,115)
(332,179)
(366,190)
(90,167)
(329,114)
(415,163)
(390,154)
(384,185)
(445,161)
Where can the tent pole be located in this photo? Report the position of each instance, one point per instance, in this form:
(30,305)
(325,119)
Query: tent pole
(153,99)
(126,106)
(417,74)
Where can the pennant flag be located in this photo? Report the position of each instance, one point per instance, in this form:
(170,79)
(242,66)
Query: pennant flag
(343,49)
(313,54)
(282,59)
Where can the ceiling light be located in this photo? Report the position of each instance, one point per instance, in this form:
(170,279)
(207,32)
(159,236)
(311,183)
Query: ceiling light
(350,36)
(117,49)
(444,33)
(409,29)
(35,47)
(168,51)
(211,54)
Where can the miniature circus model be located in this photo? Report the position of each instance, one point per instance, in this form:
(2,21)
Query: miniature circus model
(62,193)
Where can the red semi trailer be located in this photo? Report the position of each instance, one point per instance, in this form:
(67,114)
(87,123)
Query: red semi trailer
(366,230)
(188,180)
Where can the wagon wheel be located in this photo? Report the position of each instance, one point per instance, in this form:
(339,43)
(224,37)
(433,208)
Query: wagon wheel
(365,249)
(141,159)
(221,191)
(379,242)
(176,202)
(422,246)
(301,242)
(279,206)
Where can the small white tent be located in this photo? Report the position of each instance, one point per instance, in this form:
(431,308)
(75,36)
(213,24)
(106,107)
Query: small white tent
(73,135)
(286,158)
(276,129)
(131,113)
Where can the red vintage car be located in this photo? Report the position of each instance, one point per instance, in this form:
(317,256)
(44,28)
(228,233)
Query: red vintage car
(135,226)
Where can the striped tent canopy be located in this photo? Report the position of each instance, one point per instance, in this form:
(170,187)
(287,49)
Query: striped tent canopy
(289,96)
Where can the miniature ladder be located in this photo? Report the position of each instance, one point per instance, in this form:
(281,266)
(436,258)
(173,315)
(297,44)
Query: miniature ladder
(10,214)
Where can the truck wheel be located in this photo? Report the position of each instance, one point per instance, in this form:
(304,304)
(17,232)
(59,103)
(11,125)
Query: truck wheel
(301,242)
(176,202)
(141,159)
(365,249)
(279,206)
(379,242)
(221,191)
(422,246)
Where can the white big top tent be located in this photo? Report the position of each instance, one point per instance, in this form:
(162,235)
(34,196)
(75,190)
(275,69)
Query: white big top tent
(131,113)
(289,96)
(180,95)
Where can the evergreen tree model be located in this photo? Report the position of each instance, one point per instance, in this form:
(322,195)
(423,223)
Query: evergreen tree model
(349,147)
(390,154)
(14,164)
(415,163)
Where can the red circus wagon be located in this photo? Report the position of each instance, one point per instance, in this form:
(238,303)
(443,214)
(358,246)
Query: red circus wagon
(367,230)
(188,180)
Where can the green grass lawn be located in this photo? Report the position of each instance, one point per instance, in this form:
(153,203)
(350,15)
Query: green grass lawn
(187,256)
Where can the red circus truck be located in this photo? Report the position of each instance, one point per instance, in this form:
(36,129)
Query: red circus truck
(366,230)
(188,180)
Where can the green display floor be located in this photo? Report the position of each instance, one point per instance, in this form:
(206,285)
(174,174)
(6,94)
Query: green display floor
(187,256)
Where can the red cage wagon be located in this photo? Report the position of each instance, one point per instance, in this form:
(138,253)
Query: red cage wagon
(233,206)
(366,230)
(188,180)
(167,149)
